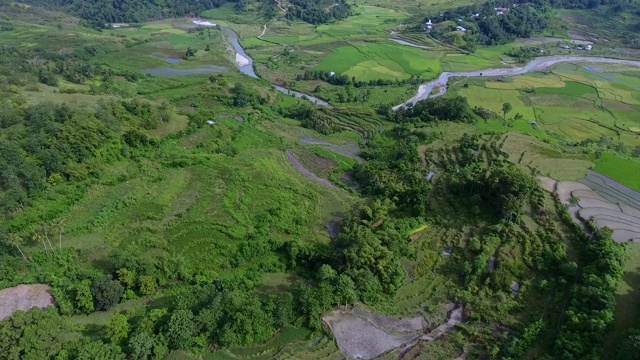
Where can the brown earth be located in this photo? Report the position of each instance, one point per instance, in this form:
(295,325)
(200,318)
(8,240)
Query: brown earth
(24,297)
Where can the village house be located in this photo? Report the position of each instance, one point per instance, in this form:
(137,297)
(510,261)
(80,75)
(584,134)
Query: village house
(501,11)
(460,28)
(428,25)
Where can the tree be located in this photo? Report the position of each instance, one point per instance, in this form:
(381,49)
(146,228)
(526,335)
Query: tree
(506,108)
(97,350)
(346,289)
(181,329)
(141,346)
(84,298)
(190,53)
(326,273)
(15,240)
(127,277)
(37,237)
(45,230)
(117,328)
(34,334)
(147,285)
(106,293)
(59,225)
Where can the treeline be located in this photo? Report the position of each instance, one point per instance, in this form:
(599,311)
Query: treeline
(44,144)
(395,171)
(341,80)
(318,11)
(590,312)
(101,12)
(429,110)
(311,118)
(490,27)
(490,187)
(523,18)
(47,67)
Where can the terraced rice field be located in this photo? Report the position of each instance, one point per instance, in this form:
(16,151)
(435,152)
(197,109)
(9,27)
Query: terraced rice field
(604,201)
(569,102)
(290,344)
(548,160)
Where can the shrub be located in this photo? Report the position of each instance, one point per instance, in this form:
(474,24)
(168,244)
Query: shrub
(106,293)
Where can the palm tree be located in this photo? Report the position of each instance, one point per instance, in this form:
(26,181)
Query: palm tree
(59,225)
(37,237)
(16,240)
(45,230)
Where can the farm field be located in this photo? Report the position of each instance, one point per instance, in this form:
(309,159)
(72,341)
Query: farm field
(385,60)
(568,105)
(178,209)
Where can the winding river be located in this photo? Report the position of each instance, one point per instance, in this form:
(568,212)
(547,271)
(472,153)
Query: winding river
(541,63)
(246,67)
(425,90)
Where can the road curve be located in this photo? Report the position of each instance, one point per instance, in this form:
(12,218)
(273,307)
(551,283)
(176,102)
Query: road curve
(537,64)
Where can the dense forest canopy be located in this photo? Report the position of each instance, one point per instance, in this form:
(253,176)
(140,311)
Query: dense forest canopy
(101,12)
(522,19)
(318,11)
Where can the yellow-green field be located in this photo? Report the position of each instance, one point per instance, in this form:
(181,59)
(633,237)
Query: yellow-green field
(570,104)
(382,60)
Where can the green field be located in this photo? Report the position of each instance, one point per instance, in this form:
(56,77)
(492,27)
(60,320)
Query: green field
(626,171)
(567,105)
(383,60)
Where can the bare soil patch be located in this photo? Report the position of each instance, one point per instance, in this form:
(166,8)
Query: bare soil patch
(547,183)
(362,334)
(349,150)
(24,297)
(565,188)
(360,339)
(390,323)
(296,163)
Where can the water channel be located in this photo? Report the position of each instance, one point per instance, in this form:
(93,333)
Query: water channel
(246,67)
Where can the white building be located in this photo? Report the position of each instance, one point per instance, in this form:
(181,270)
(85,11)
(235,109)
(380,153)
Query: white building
(460,28)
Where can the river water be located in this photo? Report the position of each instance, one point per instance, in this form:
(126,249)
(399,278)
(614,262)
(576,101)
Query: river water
(249,70)
(541,63)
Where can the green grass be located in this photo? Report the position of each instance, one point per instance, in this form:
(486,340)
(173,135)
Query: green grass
(383,60)
(369,20)
(625,171)
(571,88)
(287,336)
